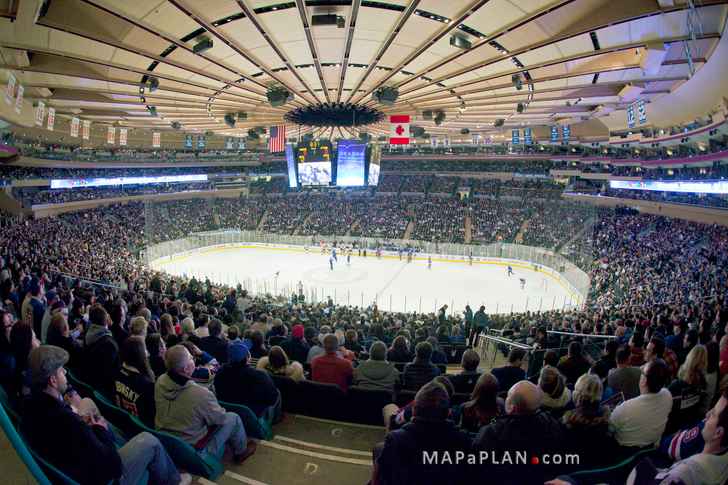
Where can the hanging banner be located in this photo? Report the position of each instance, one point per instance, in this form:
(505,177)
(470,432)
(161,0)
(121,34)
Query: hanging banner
(51,118)
(630,116)
(111,135)
(528,136)
(156,139)
(515,137)
(188,141)
(75,123)
(19,99)
(228,143)
(39,113)
(201,141)
(554,134)
(122,137)
(86,129)
(241,143)
(10,89)
(641,112)
(566,133)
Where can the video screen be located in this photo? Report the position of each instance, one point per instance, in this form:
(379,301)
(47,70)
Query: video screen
(103,182)
(716,187)
(314,173)
(350,159)
(313,151)
(375,158)
(290,160)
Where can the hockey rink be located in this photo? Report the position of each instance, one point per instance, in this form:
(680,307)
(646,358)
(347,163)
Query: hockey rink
(393,284)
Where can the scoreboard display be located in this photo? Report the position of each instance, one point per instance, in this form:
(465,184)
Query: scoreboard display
(314,163)
(314,151)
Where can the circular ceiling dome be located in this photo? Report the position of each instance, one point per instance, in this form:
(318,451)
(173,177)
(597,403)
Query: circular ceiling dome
(334,114)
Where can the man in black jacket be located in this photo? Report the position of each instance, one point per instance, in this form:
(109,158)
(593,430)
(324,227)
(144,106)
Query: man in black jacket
(215,344)
(423,450)
(82,446)
(101,353)
(421,370)
(236,382)
(295,346)
(525,429)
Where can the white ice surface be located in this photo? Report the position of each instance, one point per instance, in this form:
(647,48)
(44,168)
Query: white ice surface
(394,284)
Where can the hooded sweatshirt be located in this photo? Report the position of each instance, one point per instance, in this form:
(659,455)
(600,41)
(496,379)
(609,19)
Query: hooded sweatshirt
(376,375)
(185,409)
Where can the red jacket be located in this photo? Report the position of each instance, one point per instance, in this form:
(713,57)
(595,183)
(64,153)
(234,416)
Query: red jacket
(332,369)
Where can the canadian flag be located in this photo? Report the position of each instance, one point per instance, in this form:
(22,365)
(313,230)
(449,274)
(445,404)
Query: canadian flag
(399,133)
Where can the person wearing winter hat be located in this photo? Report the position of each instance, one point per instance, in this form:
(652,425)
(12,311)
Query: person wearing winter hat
(238,382)
(296,346)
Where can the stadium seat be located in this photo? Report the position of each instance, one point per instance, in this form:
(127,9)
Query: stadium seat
(321,400)
(405,397)
(8,405)
(459,398)
(365,405)
(616,473)
(289,390)
(255,427)
(22,449)
(83,389)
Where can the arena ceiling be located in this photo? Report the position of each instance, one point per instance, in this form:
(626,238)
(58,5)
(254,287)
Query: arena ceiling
(576,58)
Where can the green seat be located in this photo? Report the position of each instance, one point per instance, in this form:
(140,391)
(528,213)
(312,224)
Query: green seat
(83,389)
(22,449)
(255,427)
(616,473)
(182,454)
(8,405)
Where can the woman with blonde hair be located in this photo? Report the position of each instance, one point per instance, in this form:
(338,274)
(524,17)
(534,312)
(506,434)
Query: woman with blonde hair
(587,424)
(278,364)
(689,394)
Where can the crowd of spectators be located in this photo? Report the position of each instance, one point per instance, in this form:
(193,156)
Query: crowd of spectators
(495,220)
(552,224)
(440,219)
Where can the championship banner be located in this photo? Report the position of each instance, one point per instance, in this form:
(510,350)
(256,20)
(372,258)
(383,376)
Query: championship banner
(156,139)
(566,133)
(122,137)
(39,113)
(86,129)
(201,141)
(19,99)
(188,141)
(51,118)
(10,89)
(630,116)
(515,137)
(554,134)
(111,135)
(528,136)
(399,133)
(641,112)
(241,143)
(75,123)
(228,143)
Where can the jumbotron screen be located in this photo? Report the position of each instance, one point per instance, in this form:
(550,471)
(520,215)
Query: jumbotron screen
(314,163)
(375,160)
(350,161)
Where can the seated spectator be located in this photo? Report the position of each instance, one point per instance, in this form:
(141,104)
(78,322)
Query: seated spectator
(587,424)
(138,326)
(399,351)
(134,385)
(239,383)
(118,322)
(156,349)
(192,413)
(206,366)
(59,334)
(421,370)
(556,396)
(711,373)
(351,342)
(438,356)
(318,348)
(675,341)
(464,383)
(22,341)
(708,467)
(215,344)
(656,350)
(608,361)
(640,421)
(295,345)
(625,378)
(512,372)
(574,364)
(524,427)
(8,375)
(637,351)
(376,373)
(81,446)
(101,361)
(258,348)
(277,364)
(330,367)
(689,390)
(399,460)
(484,405)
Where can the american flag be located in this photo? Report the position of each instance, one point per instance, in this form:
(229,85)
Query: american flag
(277,140)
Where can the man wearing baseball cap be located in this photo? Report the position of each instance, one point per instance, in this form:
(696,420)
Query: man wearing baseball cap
(83,447)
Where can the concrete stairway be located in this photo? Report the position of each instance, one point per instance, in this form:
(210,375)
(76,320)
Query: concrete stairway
(353,226)
(261,223)
(519,236)
(410,229)
(468,230)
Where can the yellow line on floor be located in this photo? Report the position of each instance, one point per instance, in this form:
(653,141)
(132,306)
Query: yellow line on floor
(322,447)
(313,454)
(243,479)
(340,423)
